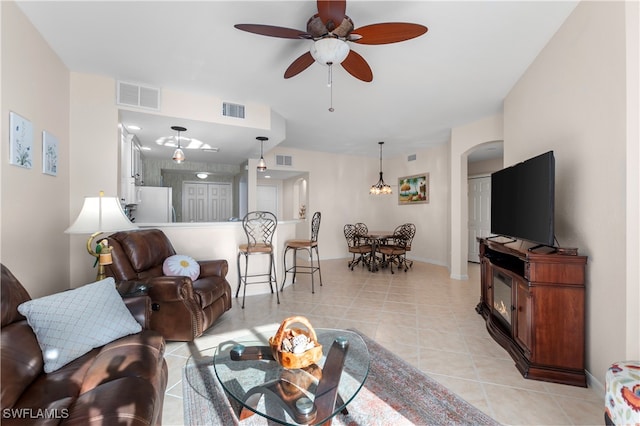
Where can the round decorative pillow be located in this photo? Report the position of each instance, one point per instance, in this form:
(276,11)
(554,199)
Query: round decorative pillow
(181,266)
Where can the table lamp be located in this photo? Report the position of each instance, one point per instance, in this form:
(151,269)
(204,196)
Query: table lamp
(99,215)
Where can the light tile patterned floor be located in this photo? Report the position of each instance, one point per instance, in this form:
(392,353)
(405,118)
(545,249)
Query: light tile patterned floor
(423,316)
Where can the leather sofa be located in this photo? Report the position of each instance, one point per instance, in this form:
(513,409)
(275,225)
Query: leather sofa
(122,382)
(182,309)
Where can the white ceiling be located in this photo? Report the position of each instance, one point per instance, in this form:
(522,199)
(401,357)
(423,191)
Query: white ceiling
(458,72)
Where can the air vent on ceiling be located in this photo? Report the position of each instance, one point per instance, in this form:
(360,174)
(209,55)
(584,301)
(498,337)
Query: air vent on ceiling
(284,160)
(136,95)
(232,110)
(411,157)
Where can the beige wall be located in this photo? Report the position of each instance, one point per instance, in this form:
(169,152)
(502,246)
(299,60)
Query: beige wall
(35,206)
(94,157)
(339,188)
(463,140)
(484,167)
(633,181)
(573,100)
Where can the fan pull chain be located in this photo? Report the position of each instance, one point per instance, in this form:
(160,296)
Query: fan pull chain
(330,84)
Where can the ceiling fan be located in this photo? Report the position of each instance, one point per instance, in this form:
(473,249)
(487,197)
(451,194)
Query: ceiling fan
(331,29)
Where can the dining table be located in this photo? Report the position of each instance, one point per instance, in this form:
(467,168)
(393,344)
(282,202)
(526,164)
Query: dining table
(376,238)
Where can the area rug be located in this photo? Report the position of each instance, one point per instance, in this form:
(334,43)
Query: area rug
(395,393)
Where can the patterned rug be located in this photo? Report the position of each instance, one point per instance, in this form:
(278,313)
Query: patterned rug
(395,393)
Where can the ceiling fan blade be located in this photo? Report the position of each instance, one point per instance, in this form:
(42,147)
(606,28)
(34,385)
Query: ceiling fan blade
(357,67)
(332,10)
(273,31)
(388,32)
(299,65)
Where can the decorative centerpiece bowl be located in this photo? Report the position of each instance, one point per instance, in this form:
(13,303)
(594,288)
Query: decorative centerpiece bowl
(295,347)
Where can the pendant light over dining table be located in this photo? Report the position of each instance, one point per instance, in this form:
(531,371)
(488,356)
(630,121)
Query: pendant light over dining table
(178,154)
(380,188)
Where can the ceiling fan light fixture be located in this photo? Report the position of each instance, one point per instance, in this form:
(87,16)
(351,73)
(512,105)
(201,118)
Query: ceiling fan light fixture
(380,188)
(329,50)
(262,165)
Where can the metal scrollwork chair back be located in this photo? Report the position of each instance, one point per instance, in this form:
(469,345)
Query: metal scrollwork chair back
(259,228)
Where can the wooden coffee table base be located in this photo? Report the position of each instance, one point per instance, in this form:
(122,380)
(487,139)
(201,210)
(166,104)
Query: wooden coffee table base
(290,390)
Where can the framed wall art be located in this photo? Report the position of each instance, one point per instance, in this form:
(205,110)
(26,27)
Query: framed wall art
(20,141)
(413,189)
(49,154)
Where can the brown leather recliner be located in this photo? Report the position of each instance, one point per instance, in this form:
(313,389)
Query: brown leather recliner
(183,309)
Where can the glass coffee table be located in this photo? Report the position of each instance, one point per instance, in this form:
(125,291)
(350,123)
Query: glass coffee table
(312,395)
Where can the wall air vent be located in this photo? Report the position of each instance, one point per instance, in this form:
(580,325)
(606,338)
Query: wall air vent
(284,160)
(411,157)
(136,95)
(232,110)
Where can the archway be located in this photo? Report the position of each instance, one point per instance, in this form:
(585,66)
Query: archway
(463,141)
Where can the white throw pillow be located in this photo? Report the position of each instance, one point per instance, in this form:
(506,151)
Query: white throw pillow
(70,324)
(180,265)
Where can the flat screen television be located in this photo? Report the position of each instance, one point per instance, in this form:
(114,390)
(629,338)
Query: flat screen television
(522,200)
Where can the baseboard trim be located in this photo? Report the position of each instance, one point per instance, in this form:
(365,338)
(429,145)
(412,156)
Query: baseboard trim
(594,383)
(459,277)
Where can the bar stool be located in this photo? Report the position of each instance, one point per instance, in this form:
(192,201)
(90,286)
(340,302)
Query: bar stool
(308,245)
(259,227)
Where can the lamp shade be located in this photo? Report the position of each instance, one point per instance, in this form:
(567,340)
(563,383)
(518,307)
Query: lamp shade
(178,155)
(262,165)
(329,51)
(100,214)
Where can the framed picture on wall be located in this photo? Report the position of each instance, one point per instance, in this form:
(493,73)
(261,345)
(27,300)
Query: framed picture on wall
(20,141)
(49,154)
(413,189)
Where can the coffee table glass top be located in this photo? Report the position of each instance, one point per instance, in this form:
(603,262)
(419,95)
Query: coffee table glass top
(296,396)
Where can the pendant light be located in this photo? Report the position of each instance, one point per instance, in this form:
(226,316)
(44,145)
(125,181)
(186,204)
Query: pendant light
(380,187)
(178,154)
(262,165)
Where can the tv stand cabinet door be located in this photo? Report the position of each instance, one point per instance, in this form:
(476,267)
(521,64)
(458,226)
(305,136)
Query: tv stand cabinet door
(487,282)
(523,304)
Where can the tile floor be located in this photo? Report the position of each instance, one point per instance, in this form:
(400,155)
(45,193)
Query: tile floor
(422,315)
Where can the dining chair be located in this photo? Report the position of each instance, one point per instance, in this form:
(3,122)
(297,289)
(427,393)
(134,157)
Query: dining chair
(410,233)
(358,246)
(395,250)
(363,234)
(308,245)
(259,228)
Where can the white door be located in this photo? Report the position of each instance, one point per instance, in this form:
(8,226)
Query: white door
(267,198)
(206,202)
(219,202)
(479,213)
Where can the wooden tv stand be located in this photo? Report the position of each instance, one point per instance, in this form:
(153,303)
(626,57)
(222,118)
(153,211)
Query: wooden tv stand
(543,328)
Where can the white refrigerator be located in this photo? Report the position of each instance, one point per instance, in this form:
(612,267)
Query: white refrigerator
(154,205)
